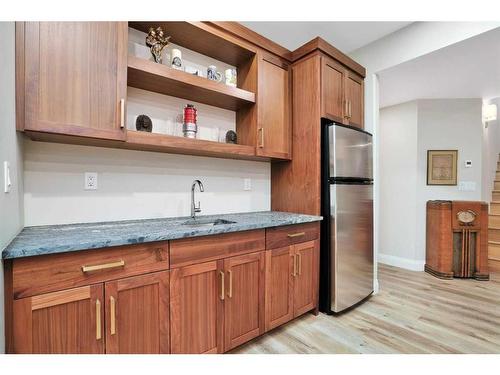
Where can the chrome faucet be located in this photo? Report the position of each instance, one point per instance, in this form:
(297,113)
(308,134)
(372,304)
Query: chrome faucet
(195,209)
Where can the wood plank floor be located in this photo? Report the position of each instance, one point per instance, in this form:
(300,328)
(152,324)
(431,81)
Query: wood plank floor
(414,312)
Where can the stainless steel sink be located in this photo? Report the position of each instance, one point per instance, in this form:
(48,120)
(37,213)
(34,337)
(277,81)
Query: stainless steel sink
(207,222)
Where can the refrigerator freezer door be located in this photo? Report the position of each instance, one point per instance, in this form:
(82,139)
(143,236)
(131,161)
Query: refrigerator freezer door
(351,208)
(350,153)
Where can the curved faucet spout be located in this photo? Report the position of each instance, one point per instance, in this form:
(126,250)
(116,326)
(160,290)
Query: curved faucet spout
(194,208)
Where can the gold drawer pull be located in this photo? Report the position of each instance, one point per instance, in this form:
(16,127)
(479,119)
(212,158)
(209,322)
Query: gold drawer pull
(293,235)
(98,319)
(122,113)
(230,292)
(294,265)
(221,285)
(112,306)
(105,266)
(261,131)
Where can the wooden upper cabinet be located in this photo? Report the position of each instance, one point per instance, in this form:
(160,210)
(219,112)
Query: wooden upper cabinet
(332,90)
(274,128)
(65,322)
(196,294)
(306,280)
(137,314)
(355,99)
(244,298)
(75,77)
(342,94)
(280,275)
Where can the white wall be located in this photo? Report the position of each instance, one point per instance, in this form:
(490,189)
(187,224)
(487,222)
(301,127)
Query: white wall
(11,218)
(398,184)
(407,131)
(491,150)
(447,124)
(133,184)
(413,41)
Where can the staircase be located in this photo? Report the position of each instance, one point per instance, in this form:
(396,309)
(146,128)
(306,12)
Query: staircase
(494,223)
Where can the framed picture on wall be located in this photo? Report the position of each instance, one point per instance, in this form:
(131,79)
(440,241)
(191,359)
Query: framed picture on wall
(442,167)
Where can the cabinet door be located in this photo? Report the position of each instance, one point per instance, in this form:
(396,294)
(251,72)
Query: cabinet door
(75,77)
(244,299)
(332,90)
(274,120)
(280,273)
(354,92)
(64,322)
(137,314)
(196,294)
(306,282)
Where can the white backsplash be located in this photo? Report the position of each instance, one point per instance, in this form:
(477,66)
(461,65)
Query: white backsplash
(134,184)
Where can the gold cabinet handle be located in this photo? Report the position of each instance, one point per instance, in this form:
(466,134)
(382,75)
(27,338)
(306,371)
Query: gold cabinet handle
(221,285)
(112,308)
(230,292)
(294,266)
(261,143)
(350,108)
(299,261)
(98,319)
(122,113)
(98,267)
(293,235)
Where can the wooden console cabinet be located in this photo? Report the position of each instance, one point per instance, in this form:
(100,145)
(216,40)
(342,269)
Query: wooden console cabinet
(457,239)
(195,295)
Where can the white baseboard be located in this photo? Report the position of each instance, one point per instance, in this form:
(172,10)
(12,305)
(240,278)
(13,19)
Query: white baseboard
(375,287)
(409,264)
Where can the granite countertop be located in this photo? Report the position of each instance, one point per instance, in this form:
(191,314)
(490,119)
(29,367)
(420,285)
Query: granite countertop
(52,239)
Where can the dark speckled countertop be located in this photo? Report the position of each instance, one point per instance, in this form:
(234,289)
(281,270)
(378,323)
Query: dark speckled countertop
(52,239)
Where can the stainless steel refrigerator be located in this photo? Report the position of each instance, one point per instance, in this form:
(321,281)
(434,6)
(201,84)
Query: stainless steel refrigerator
(346,268)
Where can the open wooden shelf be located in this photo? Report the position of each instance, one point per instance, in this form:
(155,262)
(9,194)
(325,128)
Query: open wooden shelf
(200,37)
(151,76)
(179,145)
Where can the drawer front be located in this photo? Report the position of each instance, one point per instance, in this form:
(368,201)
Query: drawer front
(291,234)
(189,251)
(48,273)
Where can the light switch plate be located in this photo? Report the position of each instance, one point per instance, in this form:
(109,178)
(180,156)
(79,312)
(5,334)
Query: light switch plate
(7,181)
(467,186)
(247,184)
(90,181)
(468,164)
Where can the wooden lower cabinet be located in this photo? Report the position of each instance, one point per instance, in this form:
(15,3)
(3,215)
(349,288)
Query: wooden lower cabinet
(280,275)
(196,313)
(216,306)
(68,321)
(291,282)
(207,307)
(124,316)
(137,314)
(244,299)
(306,281)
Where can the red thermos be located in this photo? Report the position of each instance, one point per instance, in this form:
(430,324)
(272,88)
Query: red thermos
(189,127)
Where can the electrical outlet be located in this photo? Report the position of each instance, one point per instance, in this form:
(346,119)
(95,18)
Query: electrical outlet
(247,184)
(90,181)
(7,181)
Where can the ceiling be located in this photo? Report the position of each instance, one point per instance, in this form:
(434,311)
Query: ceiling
(468,69)
(346,36)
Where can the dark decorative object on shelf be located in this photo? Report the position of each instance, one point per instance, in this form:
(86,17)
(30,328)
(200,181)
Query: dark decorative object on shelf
(231,137)
(144,124)
(157,41)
